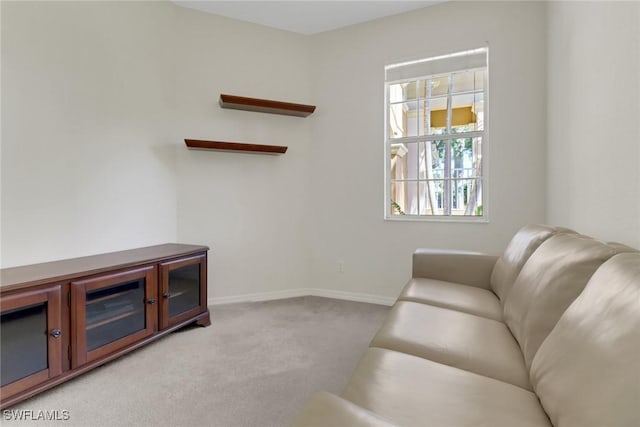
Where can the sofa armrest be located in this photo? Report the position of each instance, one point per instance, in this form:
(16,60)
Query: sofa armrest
(328,410)
(467,268)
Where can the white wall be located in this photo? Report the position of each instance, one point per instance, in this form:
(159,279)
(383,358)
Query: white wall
(86,108)
(251,209)
(98,97)
(0,146)
(594,118)
(348,140)
(97,100)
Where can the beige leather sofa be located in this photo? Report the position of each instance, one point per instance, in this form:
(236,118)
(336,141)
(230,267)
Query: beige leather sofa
(546,334)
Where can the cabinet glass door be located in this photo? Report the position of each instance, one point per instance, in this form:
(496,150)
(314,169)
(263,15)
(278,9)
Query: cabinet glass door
(112,312)
(183,289)
(30,343)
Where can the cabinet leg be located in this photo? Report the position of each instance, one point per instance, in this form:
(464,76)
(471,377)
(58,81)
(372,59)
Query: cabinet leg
(204,319)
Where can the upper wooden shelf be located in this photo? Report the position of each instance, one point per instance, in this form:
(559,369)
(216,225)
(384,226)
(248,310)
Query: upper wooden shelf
(265,106)
(235,146)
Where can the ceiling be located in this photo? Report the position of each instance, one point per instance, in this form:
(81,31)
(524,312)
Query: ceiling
(305,16)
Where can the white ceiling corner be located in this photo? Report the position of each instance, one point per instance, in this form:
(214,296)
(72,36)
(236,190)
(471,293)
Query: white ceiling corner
(305,16)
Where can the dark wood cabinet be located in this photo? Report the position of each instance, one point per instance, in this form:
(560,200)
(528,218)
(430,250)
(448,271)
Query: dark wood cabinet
(63,318)
(31,339)
(110,312)
(181,296)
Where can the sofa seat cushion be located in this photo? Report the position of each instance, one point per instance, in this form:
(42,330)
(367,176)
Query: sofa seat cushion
(411,391)
(476,344)
(587,371)
(326,410)
(468,299)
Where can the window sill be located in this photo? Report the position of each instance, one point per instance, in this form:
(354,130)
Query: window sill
(450,219)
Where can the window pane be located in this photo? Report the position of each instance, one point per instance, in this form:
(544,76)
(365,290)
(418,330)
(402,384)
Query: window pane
(403,161)
(403,166)
(479,78)
(438,116)
(396,93)
(432,116)
(466,154)
(464,82)
(403,119)
(423,117)
(431,158)
(468,81)
(404,197)
(466,197)
(415,89)
(478,109)
(463,117)
(431,197)
(407,91)
(412,161)
(411,206)
(437,86)
(398,164)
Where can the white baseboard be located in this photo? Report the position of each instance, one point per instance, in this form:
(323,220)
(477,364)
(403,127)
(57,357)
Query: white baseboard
(353,296)
(262,296)
(301,292)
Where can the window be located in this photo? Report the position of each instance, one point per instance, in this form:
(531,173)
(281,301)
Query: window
(435,137)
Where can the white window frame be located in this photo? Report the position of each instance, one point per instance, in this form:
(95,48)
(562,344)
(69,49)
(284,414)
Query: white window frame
(414,69)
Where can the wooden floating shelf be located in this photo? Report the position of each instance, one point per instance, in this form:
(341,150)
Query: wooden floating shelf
(265,106)
(234,146)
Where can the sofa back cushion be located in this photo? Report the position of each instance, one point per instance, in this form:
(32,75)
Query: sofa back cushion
(518,251)
(587,371)
(550,280)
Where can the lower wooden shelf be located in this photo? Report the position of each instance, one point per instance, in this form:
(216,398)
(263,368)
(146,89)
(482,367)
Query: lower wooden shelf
(235,146)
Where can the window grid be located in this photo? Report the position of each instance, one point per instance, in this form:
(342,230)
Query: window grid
(452,178)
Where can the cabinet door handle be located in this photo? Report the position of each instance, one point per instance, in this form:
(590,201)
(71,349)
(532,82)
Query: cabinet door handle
(151,301)
(56,333)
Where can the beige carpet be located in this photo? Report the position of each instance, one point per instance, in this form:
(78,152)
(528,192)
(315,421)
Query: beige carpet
(256,365)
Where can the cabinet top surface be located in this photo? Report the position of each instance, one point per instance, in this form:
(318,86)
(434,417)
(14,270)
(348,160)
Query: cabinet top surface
(48,272)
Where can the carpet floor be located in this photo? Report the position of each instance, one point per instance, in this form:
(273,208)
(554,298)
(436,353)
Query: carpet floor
(255,366)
